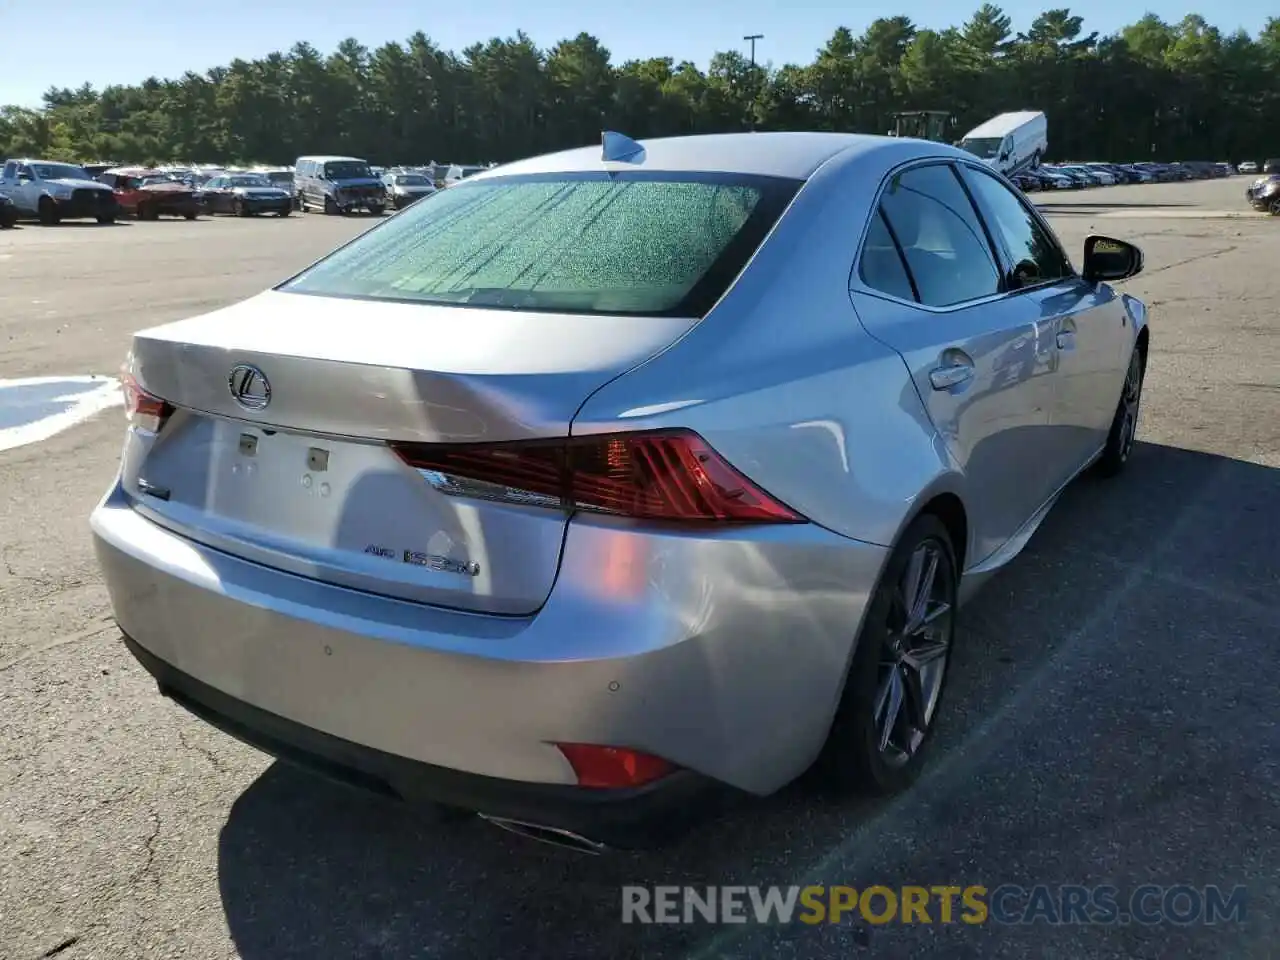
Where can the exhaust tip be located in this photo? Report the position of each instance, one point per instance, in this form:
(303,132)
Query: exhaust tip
(543,834)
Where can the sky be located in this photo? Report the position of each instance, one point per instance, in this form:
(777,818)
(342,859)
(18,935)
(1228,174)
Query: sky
(165,39)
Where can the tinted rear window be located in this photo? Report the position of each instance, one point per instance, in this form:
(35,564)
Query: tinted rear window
(346,170)
(633,243)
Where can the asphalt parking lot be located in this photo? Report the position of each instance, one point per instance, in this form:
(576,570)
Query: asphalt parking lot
(1112,717)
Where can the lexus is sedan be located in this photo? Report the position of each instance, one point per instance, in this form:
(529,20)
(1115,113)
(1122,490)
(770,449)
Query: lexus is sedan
(607,485)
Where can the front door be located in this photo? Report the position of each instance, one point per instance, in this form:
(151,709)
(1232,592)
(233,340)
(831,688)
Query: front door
(981,360)
(1084,326)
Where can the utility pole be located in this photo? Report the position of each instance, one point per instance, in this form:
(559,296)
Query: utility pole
(752,38)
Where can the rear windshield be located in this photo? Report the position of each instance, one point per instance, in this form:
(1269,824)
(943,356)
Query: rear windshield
(631,243)
(346,170)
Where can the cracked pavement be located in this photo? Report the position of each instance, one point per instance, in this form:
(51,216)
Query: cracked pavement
(1112,716)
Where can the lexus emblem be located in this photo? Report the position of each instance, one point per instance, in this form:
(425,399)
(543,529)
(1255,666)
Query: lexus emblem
(249,387)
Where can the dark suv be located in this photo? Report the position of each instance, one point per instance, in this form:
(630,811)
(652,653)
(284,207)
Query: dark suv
(1264,194)
(338,185)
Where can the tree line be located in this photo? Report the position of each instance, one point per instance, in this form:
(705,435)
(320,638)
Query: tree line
(1154,90)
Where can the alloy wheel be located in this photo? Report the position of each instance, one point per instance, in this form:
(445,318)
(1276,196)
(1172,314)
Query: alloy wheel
(1130,401)
(915,653)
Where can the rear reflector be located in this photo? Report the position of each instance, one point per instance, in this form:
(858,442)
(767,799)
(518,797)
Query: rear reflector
(613,766)
(144,411)
(660,475)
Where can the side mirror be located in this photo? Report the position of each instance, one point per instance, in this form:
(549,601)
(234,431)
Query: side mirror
(1106,259)
(1026,273)
(24,178)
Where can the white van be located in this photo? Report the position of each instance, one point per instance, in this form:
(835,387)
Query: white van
(1011,142)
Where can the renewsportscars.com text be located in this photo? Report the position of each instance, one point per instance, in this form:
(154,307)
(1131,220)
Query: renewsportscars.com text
(1149,904)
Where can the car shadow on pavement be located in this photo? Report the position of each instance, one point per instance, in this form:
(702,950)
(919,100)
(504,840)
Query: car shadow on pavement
(309,869)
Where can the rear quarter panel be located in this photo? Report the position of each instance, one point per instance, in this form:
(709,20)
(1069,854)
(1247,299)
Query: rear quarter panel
(783,381)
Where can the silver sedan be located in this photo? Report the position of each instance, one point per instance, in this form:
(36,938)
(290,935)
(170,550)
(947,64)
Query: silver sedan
(609,483)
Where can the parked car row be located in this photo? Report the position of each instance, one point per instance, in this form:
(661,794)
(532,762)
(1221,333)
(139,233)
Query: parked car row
(52,191)
(1076,176)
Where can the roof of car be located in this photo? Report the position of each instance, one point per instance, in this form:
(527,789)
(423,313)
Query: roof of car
(326,159)
(135,172)
(793,155)
(1004,123)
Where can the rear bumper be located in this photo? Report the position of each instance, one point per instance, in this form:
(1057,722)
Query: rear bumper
(367,202)
(189,206)
(621,819)
(400,200)
(254,205)
(725,656)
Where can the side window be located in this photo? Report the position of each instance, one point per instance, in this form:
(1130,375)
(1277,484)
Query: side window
(25,171)
(881,266)
(941,236)
(10,170)
(1035,254)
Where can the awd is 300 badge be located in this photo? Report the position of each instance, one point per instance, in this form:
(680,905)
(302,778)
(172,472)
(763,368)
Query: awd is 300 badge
(429,560)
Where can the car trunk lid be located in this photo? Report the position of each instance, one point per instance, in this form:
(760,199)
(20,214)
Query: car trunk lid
(297,472)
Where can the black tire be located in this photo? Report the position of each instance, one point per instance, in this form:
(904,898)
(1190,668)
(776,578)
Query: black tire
(853,758)
(148,211)
(376,209)
(191,215)
(285,212)
(239,209)
(330,208)
(1275,207)
(48,213)
(107,218)
(1124,424)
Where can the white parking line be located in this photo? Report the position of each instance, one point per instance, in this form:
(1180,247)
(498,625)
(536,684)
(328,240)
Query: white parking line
(29,414)
(1137,213)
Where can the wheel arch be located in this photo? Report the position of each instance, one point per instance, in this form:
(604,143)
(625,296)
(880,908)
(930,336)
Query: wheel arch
(942,498)
(949,508)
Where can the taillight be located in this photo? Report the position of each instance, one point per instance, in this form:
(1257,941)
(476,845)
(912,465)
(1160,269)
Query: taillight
(613,766)
(660,475)
(144,411)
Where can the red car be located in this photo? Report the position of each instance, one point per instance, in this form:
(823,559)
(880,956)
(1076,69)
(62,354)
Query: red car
(149,194)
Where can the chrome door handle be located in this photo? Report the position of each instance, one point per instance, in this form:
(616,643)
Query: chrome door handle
(1066,340)
(943,378)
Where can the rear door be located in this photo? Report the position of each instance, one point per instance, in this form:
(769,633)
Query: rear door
(929,284)
(218,197)
(1084,326)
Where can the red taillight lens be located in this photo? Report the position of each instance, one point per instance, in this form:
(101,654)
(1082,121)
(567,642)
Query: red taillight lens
(663,475)
(143,410)
(613,766)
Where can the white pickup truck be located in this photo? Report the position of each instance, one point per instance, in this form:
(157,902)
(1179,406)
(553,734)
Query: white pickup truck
(51,192)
